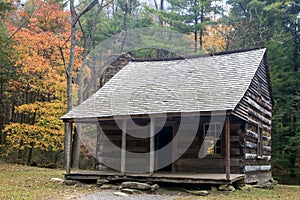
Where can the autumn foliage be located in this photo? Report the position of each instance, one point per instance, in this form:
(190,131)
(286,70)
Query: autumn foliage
(40,34)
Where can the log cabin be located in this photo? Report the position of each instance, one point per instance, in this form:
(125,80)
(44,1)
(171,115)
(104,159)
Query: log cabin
(204,119)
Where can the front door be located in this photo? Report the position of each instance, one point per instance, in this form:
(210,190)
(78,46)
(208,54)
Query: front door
(165,155)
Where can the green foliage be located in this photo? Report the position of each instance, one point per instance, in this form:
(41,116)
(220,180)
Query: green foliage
(274,24)
(190,16)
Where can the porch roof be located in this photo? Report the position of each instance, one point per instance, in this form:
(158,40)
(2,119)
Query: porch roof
(209,83)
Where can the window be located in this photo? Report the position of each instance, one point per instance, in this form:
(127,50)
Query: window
(213,141)
(259,142)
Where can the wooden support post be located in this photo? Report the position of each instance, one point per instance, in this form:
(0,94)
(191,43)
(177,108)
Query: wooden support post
(68,146)
(227,141)
(152,149)
(123,150)
(98,147)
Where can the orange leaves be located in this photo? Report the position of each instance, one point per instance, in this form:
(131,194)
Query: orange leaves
(44,32)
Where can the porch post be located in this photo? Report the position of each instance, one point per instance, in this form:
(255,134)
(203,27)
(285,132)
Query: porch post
(227,141)
(67,146)
(98,147)
(123,150)
(152,133)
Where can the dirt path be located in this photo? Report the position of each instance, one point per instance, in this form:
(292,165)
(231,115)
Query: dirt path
(109,195)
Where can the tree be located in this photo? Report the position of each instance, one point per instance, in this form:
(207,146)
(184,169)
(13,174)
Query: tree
(38,90)
(274,24)
(191,17)
(6,69)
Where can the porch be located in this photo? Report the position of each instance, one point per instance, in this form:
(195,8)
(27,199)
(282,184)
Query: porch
(158,177)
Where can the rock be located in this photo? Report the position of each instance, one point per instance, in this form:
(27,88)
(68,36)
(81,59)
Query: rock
(70,182)
(131,191)
(229,188)
(257,186)
(265,185)
(245,187)
(102,182)
(273,181)
(136,185)
(59,180)
(214,189)
(154,187)
(120,194)
(105,187)
(198,192)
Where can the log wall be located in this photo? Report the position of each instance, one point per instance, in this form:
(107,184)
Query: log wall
(190,161)
(256,109)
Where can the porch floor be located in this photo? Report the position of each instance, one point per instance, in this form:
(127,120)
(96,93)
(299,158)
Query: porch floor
(165,177)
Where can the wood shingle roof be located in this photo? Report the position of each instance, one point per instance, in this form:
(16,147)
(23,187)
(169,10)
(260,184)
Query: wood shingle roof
(208,83)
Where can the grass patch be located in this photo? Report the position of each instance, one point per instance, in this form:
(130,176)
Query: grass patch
(279,192)
(23,182)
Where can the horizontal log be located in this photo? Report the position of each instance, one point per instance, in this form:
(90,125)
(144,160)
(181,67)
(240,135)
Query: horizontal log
(259,116)
(234,151)
(267,148)
(257,161)
(250,144)
(250,156)
(258,107)
(251,134)
(253,156)
(252,168)
(241,115)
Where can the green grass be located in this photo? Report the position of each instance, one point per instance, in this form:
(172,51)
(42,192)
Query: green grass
(23,182)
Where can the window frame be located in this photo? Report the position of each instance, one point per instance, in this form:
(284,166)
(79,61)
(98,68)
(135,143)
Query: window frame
(220,138)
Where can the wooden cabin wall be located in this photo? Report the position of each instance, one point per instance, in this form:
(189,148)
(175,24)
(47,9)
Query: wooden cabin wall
(256,109)
(190,162)
(111,154)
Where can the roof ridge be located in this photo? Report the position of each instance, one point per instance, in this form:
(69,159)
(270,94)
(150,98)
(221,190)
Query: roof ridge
(198,56)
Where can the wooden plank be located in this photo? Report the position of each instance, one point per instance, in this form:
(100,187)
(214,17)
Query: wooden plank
(123,150)
(227,142)
(68,146)
(152,147)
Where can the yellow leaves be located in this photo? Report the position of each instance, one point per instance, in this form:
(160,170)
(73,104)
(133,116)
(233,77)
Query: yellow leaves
(45,134)
(214,38)
(22,136)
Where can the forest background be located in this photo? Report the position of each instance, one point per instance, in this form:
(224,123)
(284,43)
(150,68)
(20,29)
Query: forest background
(43,44)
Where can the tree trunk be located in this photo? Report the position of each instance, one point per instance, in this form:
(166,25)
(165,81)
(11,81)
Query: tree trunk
(88,41)
(201,28)
(30,155)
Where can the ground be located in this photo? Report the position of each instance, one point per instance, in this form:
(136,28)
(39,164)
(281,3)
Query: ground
(23,182)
